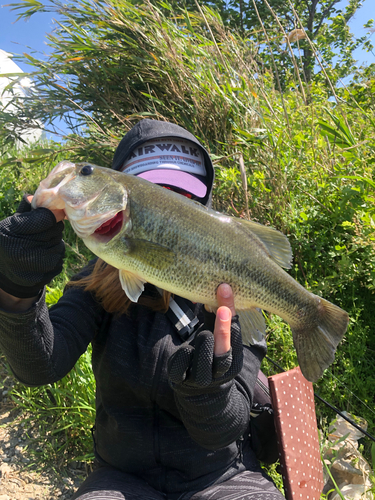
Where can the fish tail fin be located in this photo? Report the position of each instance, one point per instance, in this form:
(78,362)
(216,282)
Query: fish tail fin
(316,343)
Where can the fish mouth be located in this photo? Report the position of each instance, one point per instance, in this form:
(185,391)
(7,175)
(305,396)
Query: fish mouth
(110,228)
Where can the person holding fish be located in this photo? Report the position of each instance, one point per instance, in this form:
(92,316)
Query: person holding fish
(174,383)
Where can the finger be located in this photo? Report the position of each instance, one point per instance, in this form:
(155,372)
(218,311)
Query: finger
(222,330)
(179,363)
(59,214)
(201,372)
(225,297)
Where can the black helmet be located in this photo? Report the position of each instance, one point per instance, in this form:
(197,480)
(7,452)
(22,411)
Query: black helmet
(175,161)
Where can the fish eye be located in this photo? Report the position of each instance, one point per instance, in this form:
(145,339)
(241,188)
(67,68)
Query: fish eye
(86,170)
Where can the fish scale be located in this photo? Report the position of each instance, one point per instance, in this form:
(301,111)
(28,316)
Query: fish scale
(187,249)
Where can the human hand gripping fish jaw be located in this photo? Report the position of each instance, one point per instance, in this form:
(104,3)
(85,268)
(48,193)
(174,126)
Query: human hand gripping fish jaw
(155,235)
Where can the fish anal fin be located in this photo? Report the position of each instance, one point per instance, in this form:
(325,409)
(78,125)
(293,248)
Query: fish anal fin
(316,343)
(132,284)
(253,325)
(276,243)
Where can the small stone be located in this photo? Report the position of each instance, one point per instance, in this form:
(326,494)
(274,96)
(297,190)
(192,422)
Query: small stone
(13,442)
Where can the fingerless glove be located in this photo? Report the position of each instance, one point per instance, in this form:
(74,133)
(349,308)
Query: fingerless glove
(212,407)
(31,250)
(194,369)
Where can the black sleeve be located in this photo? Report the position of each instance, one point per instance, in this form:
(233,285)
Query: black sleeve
(43,345)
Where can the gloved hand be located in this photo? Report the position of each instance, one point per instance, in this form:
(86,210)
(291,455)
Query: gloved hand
(213,407)
(194,369)
(31,250)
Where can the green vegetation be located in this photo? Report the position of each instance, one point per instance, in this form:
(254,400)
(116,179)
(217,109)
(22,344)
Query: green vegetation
(301,161)
(274,24)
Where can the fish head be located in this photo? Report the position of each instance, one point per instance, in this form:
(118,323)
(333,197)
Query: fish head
(91,196)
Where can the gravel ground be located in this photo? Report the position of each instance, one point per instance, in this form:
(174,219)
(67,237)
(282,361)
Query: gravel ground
(20,479)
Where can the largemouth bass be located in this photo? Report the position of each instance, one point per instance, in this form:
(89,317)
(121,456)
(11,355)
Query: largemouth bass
(154,235)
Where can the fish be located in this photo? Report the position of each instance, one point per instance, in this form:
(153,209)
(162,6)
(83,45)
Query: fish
(154,235)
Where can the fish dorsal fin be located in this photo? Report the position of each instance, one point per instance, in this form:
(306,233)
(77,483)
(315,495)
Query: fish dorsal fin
(132,284)
(275,242)
(253,326)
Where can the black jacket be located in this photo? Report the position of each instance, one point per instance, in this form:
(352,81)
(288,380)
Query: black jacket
(138,426)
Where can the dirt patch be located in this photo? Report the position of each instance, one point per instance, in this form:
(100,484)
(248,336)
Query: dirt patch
(20,476)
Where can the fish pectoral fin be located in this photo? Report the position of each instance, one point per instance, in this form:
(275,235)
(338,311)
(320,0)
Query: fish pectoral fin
(152,254)
(132,284)
(253,326)
(276,243)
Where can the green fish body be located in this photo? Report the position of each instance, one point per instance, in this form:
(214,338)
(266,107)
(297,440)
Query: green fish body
(155,235)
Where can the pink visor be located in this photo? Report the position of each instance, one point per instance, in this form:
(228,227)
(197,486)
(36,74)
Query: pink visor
(176,178)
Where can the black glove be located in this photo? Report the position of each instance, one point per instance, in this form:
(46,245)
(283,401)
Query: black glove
(193,368)
(214,409)
(31,250)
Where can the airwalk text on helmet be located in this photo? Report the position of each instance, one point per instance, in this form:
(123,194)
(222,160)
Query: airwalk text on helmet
(171,148)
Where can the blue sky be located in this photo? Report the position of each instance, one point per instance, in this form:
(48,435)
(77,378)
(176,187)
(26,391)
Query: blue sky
(24,36)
